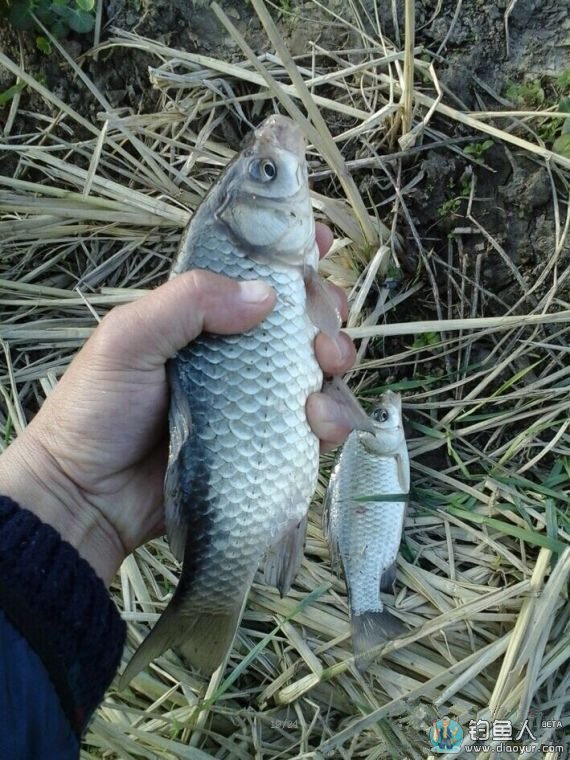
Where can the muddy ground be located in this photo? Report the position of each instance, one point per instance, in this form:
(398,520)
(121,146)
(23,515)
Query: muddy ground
(474,210)
(512,198)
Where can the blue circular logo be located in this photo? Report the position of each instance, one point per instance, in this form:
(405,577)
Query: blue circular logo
(445,735)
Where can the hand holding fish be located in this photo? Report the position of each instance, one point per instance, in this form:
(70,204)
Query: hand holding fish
(92,461)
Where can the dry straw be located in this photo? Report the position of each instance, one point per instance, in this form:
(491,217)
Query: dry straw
(91,217)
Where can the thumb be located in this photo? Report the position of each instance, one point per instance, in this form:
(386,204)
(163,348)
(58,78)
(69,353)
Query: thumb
(147,332)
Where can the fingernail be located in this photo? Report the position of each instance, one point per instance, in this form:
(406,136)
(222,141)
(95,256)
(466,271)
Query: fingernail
(254,291)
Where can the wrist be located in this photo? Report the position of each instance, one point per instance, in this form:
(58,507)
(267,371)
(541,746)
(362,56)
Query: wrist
(30,476)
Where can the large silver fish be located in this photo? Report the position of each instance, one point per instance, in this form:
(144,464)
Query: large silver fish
(366,534)
(243,461)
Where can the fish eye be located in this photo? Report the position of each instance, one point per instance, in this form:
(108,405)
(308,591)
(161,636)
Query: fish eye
(263,170)
(381,414)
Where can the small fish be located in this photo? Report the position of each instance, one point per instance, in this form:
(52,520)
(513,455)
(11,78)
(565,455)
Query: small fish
(366,534)
(243,460)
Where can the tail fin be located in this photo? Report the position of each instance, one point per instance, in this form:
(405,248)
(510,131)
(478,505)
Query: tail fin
(370,630)
(165,634)
(210,639)
(203,639)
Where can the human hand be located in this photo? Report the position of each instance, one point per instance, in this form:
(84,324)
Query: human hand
(92,461)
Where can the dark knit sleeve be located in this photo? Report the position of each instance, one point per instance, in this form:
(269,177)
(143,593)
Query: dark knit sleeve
(56,602)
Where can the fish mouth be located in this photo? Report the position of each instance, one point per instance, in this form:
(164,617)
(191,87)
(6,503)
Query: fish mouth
(282,132)
(391,398)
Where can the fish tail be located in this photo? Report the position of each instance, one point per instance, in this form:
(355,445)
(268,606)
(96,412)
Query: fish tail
(203,639)
(371,630)
(210,638)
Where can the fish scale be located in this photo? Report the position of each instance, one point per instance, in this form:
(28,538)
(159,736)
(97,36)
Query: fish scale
(256,492)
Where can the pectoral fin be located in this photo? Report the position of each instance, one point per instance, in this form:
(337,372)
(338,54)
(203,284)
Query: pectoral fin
(284,559)
(180,425)
(355,416)
(403,470)
(388,579)
(321,305)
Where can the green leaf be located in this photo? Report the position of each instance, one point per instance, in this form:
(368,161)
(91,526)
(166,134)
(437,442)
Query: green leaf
(19,14)
(44,14)
(562,145)
(529,94)
(81,21)
(59,29)
(564,107)
(43,44)
(518,481)
(429,431)
(528,536)
(85,5)
(426,339)
(564,80)
(7,95)
(76,19)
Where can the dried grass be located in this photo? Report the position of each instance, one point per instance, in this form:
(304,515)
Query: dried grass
(92,218)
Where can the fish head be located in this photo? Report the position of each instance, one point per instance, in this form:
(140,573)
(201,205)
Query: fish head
(266,203)
(389,429)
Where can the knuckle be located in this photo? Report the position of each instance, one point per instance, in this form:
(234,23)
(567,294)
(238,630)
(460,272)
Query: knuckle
(198,282)
(109,331)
